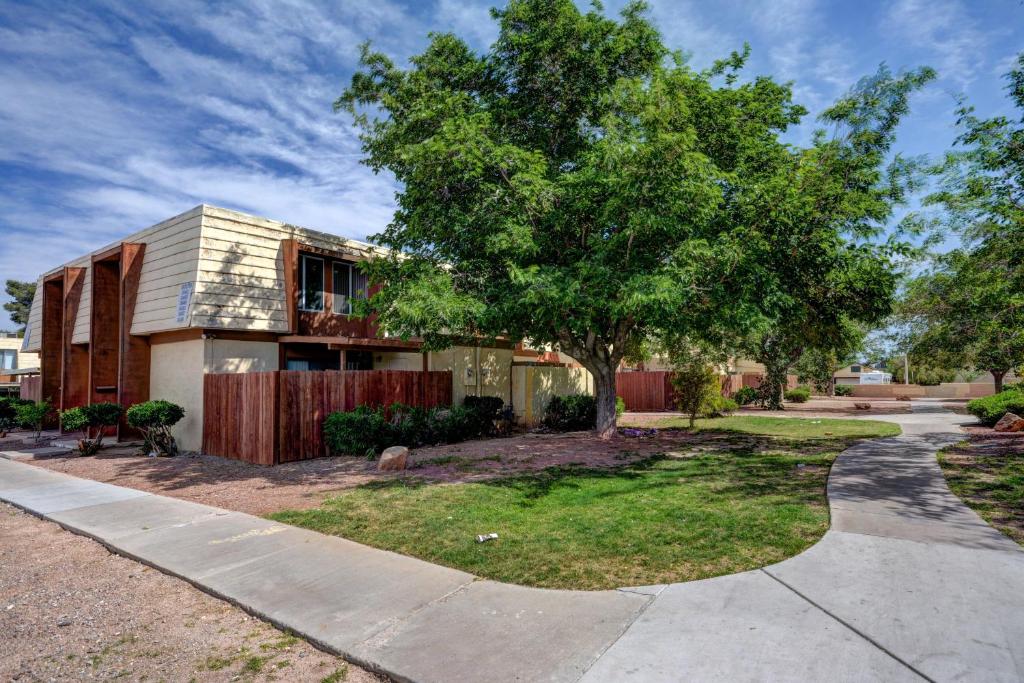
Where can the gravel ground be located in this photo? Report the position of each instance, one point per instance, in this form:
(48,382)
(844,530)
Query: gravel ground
(71,610)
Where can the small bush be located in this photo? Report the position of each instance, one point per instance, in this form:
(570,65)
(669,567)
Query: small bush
(571,413)
(697,388)
(991,409)
(8,416)
(745,395)
(717,406)
(843,390)
(620,406)
(33,415)
(485,410)
(96,416)
(155,419)
(798,395)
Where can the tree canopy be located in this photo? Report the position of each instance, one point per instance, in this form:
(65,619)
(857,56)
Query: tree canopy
(580,185)
(968,310)
(22,294)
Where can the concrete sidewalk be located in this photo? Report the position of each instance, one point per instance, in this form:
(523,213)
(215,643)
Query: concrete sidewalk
(908,584)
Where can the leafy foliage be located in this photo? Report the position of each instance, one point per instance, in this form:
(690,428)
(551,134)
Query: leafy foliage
(580,185)
(798,395)
(34,415)
(843,390)
(95,416)
(991,409)
(21,294)
(8,414)
(369,430)
(696,386)
(571,413)
(745,395)
(969,310)
(155,419)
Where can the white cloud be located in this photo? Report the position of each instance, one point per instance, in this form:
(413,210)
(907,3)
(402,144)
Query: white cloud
(943,31)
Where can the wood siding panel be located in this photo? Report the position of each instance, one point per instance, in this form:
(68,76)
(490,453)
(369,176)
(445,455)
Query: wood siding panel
(270,417)
(52,339)
(75,363)
(134,353)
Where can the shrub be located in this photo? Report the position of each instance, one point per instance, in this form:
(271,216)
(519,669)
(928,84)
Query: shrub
(97,416)
(843,390)
(620,406)
(991,409)
(798,395)
(745,395)
(485,410)
(571,413)
(363,431)
(33,415)
(719,405)
(155,419)
(697,388)
(8,416)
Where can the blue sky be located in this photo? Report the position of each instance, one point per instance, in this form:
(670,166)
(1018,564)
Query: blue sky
(117,114)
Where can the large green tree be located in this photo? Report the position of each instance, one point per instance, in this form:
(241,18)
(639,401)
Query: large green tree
(967,313)
(818,253)
(21,294)
(969,309)
(578,184)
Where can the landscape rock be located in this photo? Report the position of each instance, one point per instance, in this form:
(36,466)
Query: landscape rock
(862,406)
(1010,423)
(393,459)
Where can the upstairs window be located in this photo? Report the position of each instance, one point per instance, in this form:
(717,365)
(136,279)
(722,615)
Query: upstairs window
(8,359)
(855,368)
(311,277)
(349,284)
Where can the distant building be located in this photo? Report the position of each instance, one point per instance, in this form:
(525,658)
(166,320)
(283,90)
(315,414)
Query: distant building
(14,363)
(861,374)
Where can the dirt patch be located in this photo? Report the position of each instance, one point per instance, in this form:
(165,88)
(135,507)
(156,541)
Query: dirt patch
(302,485)
(71,610)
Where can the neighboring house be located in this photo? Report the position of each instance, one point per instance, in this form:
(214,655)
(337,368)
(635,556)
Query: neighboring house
(214,290)
(861,374)
(14,363)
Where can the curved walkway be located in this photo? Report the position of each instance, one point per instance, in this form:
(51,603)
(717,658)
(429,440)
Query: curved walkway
(908,584)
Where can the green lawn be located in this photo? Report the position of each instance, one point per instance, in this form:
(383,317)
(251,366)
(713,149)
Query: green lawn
(787,427)
(747,504)
(990,482)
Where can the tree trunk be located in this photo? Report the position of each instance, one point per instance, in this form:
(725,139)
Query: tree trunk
(775,383)
(998,376)
(604,383)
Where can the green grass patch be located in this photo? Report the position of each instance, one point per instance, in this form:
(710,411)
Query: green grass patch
(787,427)
(992,484)
(691,516)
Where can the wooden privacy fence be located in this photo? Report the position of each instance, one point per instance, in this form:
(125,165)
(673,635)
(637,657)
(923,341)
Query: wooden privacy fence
(31,388)
(273,417)
(651,391)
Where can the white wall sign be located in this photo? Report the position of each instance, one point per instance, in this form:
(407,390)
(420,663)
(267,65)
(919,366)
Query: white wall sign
(184,300)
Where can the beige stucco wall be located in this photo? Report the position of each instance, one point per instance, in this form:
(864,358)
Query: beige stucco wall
(176,374)
(475,371)
(533,386)
(225,355)
(396,360)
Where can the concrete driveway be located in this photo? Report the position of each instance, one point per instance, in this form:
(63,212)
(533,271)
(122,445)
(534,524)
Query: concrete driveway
(908,584)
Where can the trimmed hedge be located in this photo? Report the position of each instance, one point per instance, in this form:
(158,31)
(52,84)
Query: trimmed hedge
(843,390)
(155,419)
(798,395)
(991,409)
(368,431)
